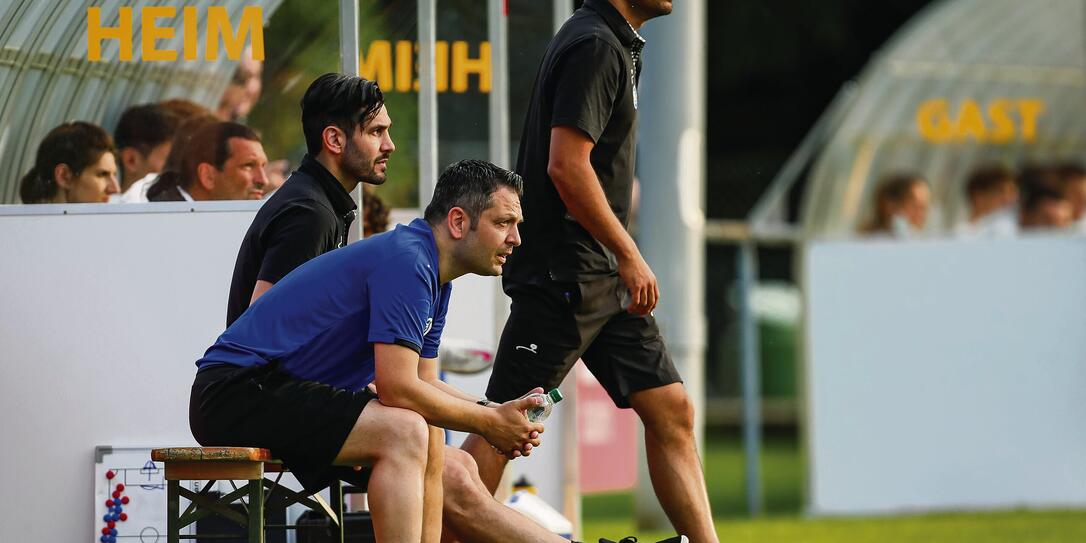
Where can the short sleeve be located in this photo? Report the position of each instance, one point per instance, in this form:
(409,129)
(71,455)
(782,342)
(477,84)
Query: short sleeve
(401,304)
(432,340)
(587,81)
(296,235)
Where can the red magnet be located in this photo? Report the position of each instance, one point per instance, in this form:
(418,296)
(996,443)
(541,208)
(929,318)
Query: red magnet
(120,487)
(116,494)
(124,500)
(110,474)
(124,517)
(111,524)
(109,503)
(105,531)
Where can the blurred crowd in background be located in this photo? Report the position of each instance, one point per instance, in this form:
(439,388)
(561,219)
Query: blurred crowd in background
(1002,201)
(174,150)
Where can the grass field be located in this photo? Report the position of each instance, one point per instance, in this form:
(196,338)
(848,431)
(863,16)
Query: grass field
(611,515)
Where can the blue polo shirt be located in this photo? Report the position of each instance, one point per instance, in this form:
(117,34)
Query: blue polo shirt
(322,320)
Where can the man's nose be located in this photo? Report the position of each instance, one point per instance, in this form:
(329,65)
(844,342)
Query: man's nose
(514,236)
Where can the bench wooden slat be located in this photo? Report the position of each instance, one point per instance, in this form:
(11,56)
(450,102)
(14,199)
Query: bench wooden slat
(211,454)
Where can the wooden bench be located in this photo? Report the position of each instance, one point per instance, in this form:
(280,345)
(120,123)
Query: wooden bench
(231,464)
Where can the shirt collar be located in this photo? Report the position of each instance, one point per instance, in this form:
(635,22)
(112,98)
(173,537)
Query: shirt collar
(341,200)
(184,194)
(619,25)
(424,229)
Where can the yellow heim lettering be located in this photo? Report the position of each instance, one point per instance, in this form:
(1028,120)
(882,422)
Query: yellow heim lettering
(395,69)
(96,33)
(219,28)
(1000,121)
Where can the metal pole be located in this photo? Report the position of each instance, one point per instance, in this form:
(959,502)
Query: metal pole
(427,102)
(671,158)
(562,10)
(348,64)
(497,34)
(747,277)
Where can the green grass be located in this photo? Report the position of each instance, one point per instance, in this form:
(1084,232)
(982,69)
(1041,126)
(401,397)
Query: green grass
(611,515)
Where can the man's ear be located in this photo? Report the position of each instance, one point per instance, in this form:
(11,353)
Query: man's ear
(62,175)
(459,223)
(130,158)
(205,175)
(334,139)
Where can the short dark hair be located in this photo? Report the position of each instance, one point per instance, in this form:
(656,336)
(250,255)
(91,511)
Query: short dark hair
(340,100)
(1071,171)
(469,184)
(211,144)
(988,177)
(1039,195)
(78,144)
(1034,176)
(184,108)
(145,127)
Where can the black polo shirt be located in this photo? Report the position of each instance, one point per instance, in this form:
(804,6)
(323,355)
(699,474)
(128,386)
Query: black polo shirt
(588,80)
(307,217)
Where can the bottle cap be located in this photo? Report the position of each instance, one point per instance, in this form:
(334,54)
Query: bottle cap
(555,394)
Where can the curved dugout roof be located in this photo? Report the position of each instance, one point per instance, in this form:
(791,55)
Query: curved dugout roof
(46,79)
(964,82)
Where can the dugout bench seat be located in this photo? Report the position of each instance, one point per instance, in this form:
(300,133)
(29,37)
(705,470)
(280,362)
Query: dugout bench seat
(231,464)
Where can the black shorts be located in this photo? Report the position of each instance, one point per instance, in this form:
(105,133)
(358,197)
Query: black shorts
(553,324)
(302,423)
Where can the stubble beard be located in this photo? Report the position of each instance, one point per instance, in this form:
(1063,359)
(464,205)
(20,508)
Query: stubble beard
(362,168)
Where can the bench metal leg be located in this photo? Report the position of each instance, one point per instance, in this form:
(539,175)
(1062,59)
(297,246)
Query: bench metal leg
(256,510)
(173,512)
(335,493)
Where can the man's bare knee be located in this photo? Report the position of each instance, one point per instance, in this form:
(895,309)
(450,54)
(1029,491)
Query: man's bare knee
(386,433)
(665,411)
(464,492)
(405,429)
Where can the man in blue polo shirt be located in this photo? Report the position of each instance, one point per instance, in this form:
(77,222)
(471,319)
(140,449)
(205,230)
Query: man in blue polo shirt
(291,373)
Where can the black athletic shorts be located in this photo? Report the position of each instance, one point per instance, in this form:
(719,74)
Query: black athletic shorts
(302,423)
(552,324)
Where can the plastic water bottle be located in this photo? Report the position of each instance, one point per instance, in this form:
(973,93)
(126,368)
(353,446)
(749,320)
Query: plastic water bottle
(540,413)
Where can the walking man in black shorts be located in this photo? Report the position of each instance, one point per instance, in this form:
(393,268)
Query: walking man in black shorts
(579,286)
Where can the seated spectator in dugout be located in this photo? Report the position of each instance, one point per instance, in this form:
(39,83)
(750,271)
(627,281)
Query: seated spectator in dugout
(993,200)
(1073,185)
(1044,208)
(291,373)
(902,201)
(143,136)
(219,161)
(74,164)
(189,117)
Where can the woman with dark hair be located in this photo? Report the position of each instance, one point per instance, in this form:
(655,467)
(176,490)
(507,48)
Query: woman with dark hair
(74,164)
(902,201)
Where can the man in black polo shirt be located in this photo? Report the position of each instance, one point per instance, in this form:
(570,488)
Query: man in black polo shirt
(578,283)
(309,215)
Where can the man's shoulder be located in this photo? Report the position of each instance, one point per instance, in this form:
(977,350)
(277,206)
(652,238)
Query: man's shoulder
(586,26)
(299,196)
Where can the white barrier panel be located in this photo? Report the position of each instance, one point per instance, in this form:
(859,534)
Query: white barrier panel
(946,374)
(106,309)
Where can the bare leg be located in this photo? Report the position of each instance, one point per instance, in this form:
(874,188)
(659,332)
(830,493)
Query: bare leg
(393,441)
(491,464)
(472,513)
(674,466)
(431,501)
